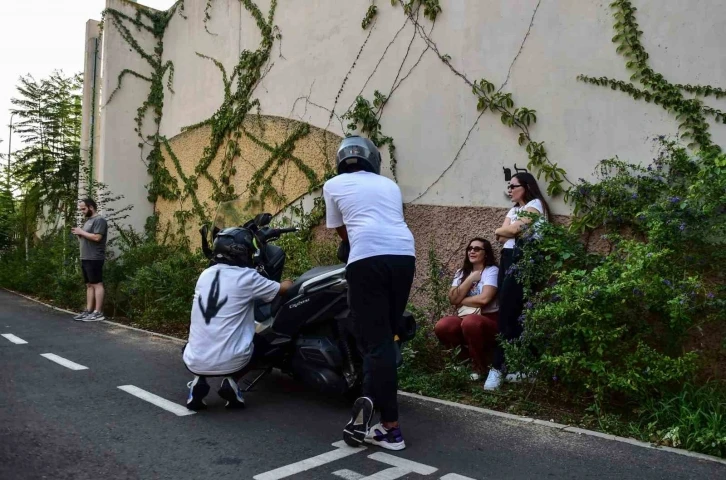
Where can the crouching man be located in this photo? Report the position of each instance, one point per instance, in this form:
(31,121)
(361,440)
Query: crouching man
(222,320)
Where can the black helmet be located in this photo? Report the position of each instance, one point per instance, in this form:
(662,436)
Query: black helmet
(234,246)
(359,152)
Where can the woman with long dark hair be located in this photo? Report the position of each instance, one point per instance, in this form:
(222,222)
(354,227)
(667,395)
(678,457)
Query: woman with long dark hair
(527,197)
(474,293)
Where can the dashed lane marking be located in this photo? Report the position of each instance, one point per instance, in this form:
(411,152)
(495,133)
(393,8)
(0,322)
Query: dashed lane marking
(12,338)
(62,361)
(160,402)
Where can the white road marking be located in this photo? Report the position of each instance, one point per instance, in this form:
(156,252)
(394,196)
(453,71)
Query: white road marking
(455,476)
(62,361)
(172,407)
(14,339)
(409,465)
(342,451)
(388,474)
(348,475)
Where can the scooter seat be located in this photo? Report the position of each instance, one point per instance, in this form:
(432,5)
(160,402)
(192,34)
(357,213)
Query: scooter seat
(294,290)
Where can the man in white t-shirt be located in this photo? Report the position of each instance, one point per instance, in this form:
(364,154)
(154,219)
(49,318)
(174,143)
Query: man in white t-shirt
(222,319)
(366,209)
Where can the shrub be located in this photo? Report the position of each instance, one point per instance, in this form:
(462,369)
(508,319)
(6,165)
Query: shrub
(616,328)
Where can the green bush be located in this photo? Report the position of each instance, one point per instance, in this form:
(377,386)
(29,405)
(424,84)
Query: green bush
(615,328)
(694,418)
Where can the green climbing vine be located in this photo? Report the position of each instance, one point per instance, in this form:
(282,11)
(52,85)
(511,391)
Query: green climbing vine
(431,8)
(154,22)
(208,16)
(691,112)
(227,122)
(365,116)
(521,118)
(370,16)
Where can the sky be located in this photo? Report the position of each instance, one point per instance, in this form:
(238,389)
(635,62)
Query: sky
(39,36)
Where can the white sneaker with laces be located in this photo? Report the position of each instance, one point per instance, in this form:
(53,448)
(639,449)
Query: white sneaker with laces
(494,380)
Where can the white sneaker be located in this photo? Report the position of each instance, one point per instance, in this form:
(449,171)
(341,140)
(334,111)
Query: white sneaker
(494,380)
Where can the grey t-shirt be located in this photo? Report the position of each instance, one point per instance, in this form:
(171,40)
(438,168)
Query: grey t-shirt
(91,250)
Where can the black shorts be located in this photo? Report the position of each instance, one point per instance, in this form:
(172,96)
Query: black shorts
(92,271)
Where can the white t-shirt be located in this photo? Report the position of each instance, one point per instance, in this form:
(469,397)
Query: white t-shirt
(513,215)
(371,208)
(488,277)
(223,319)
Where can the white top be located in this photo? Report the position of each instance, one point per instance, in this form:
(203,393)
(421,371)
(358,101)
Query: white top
(488,277)
(223,319)
(371,208)
(513,215)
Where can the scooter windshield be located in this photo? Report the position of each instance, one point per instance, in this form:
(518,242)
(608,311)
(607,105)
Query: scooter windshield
(235,213)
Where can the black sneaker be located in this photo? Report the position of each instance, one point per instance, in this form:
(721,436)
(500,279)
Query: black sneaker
(198,389)
(355,432)
(230,391)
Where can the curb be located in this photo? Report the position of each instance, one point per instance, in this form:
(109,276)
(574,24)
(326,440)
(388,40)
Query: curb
(486,411)
(564,428)
(180,341)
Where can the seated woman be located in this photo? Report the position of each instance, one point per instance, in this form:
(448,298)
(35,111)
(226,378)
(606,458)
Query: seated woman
(474,293)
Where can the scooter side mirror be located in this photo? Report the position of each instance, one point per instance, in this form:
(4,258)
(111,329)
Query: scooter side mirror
(263,219)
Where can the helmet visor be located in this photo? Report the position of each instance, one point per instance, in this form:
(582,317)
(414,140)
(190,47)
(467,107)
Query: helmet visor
(354,151)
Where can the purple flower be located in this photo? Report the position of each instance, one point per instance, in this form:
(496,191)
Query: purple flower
(650,168)
(674,199)
(667,282)
(649,254)
(682,227)
(710,295)
(555,378)
(528,305)
(521,319)
(634,196)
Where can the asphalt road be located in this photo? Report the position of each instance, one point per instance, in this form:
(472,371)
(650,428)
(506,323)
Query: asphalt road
(60,423)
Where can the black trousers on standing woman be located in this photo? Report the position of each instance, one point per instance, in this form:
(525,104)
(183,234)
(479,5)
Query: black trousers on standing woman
(511,302)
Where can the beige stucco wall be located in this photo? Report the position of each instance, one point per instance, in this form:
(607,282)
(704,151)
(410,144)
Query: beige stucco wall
(432,112)
(120,161)
(316,149)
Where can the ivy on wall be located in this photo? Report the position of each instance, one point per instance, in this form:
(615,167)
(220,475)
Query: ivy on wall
(154,22)
(228,122)
(691,112)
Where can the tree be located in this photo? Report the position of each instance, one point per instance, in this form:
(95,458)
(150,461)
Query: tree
(49,123)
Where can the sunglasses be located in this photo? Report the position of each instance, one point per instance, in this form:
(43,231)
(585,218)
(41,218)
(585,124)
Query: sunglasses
(512,187)
(474,249)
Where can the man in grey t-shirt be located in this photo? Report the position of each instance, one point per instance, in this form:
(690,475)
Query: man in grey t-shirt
(92,237)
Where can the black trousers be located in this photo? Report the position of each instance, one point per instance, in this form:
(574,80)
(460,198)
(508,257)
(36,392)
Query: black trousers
(511,303)
(378,292)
